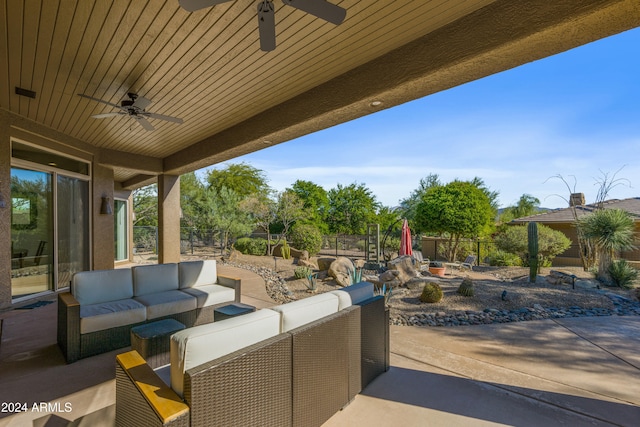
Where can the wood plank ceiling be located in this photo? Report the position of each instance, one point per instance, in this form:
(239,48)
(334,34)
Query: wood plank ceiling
(204,67)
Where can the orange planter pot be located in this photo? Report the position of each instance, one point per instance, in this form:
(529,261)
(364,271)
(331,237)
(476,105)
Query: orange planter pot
(438,271)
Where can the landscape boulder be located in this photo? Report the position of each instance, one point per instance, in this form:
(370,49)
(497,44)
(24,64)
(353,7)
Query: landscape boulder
(324,263)
(307,263)
(405,266)
(340,270)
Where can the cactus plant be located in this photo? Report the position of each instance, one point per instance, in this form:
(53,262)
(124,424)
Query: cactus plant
(285,250)
(532,235)
(302,272)
(466,287)
(431,293)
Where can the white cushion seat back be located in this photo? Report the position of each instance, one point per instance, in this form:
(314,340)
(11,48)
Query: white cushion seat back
(98,286)
(198,273)
(301,312)
(150,279)
(106,315)
(356,293)
(194,346)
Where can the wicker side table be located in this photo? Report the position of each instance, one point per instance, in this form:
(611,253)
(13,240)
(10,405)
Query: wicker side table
(151,340)
(232,310)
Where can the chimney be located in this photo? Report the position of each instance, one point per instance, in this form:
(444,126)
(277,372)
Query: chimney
(577,199)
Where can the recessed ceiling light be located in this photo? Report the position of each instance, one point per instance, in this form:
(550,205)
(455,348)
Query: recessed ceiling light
(266,142)
(52,164)
(376,103)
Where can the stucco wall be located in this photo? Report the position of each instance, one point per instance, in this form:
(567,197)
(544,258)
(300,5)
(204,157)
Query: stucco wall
(5,214)
(102,245)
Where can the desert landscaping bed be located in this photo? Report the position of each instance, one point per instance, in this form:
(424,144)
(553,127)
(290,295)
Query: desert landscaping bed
(490,303)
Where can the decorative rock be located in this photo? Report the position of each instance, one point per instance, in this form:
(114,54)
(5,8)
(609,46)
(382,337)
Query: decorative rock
(405,266)
(324,263)
(341,269)
(416,282)
(307,263)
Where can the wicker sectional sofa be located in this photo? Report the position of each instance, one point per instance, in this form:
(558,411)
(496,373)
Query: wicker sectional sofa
(294,365)
(102,306)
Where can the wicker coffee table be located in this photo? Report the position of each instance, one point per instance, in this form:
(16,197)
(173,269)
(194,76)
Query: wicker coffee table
(151,340)
(232,310)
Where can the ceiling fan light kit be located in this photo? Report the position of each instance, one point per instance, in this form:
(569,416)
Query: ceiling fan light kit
(266,20)
(135,108)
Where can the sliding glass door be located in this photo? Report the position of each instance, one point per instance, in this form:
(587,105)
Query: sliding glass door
(72,210)
(31,232)
(120,230)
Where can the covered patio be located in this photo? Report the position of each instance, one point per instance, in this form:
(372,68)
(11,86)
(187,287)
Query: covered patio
(588,374)
(66,177)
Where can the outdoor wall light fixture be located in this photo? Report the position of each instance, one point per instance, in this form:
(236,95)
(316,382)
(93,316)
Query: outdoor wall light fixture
(105,207)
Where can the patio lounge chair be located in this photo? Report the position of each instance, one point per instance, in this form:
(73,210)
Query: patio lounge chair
(467,263)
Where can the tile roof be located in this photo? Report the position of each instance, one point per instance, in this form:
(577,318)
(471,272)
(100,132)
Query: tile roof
(631,205)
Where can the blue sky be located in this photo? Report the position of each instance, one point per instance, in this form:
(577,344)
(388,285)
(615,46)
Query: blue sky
(575,114)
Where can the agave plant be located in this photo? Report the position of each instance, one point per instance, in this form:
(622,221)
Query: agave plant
(312,282)
(355,275)
(384,291)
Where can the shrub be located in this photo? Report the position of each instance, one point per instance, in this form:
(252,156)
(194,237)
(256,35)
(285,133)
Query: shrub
(550,243)
(302,272)
(504,259)
(622,274)
(306,237)
(466,287)
(251,246)
(431,293)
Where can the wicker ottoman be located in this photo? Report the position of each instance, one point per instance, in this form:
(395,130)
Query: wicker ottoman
(232,310)
(151,340)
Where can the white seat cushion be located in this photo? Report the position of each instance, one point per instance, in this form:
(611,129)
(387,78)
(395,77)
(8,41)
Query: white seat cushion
(166,303)
(211,294)
(149,279)
(298,313)
(97,286)
(194,346)
(106,315)
(197,273)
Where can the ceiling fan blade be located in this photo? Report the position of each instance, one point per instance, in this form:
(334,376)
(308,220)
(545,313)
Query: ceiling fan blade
(267,25)
(193,5)
(144,123)
(100,100)
(163,117)
(321,9)
(141,102)
(105,115)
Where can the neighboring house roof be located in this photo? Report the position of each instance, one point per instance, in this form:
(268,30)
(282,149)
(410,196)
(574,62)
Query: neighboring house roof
(565,215)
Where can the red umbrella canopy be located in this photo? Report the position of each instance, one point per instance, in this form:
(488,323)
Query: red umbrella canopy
(405,240)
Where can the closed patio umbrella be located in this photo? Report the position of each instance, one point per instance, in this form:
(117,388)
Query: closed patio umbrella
(405,240)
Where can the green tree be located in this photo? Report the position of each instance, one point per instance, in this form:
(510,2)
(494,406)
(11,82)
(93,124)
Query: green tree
(457,210)
(315,201)
(409,205)
(389,217)
(351,208)
(145,206)
(527,205)
(262,210)
(226,216)
(241,178)
(513,240)
(611,230)
(192,201)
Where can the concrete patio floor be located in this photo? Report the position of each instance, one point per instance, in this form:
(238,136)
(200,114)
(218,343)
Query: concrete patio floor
(574,372)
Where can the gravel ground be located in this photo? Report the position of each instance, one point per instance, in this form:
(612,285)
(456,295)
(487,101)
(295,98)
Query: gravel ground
(524,300)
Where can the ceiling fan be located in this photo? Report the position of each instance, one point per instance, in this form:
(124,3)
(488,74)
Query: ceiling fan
(266,21)
(133,107)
